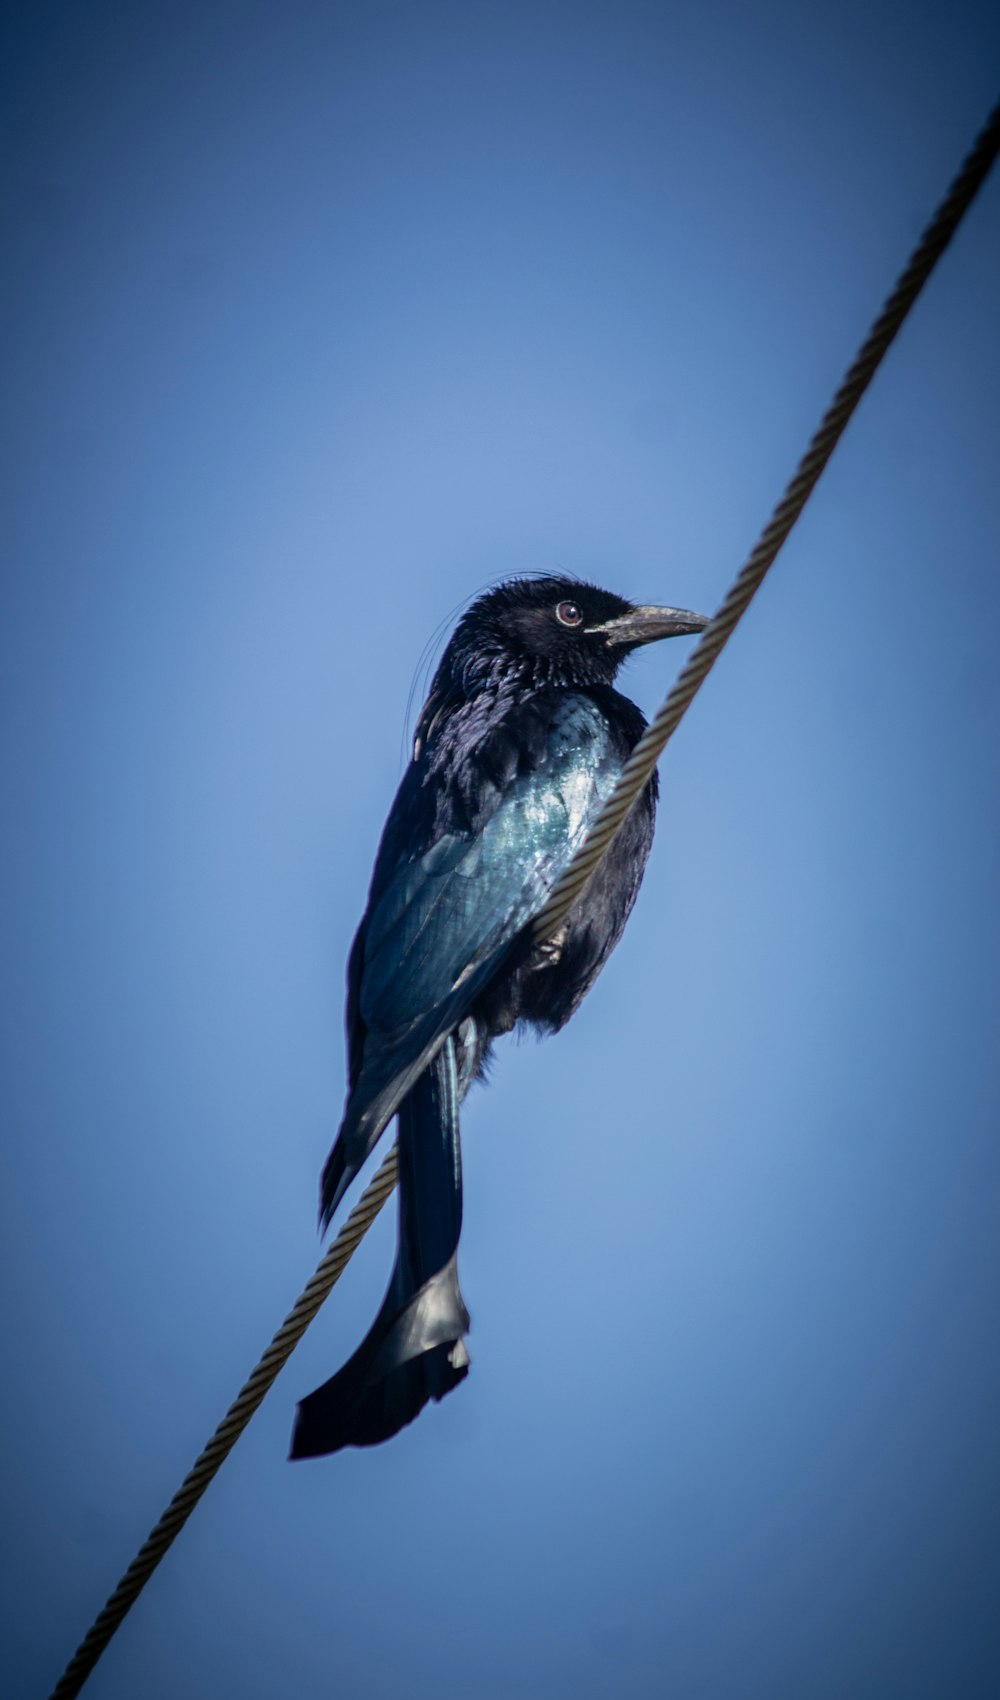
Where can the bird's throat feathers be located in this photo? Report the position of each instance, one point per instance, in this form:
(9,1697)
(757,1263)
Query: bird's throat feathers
(521,637)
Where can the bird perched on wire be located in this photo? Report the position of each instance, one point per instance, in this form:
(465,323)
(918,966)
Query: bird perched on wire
(519,743)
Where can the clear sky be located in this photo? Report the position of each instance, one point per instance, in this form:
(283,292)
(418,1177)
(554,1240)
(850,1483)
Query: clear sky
(318,318)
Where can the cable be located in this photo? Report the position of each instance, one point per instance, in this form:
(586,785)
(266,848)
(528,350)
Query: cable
(716,635)
(567,889)
(214,1455)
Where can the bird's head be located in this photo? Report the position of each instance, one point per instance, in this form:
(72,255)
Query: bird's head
(553,631)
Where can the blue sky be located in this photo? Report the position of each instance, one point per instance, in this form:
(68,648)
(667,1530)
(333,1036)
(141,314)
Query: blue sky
(319,318)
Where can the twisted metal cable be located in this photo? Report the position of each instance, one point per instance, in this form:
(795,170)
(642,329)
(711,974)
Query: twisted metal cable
(567,889)
(214,1455)
(717,633)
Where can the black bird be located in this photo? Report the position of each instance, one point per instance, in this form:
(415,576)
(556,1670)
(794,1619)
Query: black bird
(518,744)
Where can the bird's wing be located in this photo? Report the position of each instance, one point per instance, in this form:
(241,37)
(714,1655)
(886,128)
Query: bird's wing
(442,922)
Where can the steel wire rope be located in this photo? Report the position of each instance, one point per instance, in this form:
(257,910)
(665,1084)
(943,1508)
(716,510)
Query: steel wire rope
(567,889)
(717,633)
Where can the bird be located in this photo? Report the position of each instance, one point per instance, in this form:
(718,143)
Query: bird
(521,739)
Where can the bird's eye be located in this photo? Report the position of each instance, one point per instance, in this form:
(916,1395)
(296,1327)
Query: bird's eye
(569,613)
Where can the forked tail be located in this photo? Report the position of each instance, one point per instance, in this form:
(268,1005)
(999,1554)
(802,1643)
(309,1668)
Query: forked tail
(415,1350)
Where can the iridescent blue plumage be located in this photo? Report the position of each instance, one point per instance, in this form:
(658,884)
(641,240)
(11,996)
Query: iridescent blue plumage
(519,743)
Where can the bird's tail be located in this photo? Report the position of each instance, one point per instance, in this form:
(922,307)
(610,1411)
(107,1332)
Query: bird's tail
(416,1350)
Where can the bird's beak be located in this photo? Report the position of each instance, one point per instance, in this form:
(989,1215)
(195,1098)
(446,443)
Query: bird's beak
(648,625)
